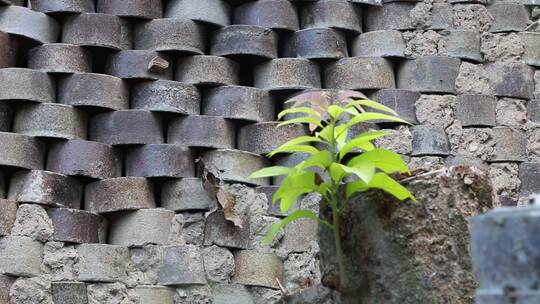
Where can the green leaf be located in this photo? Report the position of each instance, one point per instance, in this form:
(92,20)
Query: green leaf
(356,186)
(382,159)
(371,104)
(294,110)
(299,214)
(294,185)
(326,133)
(365,172)
(341,132)
(293,149)
(270,171)
(389,185)
(306,120)
(339,171)
(320,159)
(334,111)
(362,141)
(300,140)
(370,116)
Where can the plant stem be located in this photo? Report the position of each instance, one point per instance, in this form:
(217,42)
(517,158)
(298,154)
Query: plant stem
(339,249)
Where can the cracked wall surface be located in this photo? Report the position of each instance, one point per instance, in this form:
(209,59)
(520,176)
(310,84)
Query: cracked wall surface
(112,112)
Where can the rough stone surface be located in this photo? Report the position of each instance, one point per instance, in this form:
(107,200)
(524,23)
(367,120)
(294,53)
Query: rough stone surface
(218,263)
(436,110)
(97,30)
(257,269)
(102,263)
(31,290)
(161,160)
(69,292)
(119,194)
(169,34)
(139,64)
(21,256)
(60,261)
(443,263)
(145,264)
(141,227)
(472,79)
(182,265)
(185,194)
(8,215)
(32,221)
(166,96)
(116,293)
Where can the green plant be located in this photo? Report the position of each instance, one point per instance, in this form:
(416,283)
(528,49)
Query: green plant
(345,166)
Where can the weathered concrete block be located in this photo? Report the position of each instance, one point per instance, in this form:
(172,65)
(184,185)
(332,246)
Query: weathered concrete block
(6,117)
(60,58)
(119,194)
(511,79)
(496,267)
(317,43)
(500,296)
(166,96)
(358,73)
(435,74)
(93,91)
(466,160)
(208,11)
(533,110)
(257,269)
(139,64)
(147,9)
(207,70)
(235,165)
(442,16)
(508,17)
(332,13)
(390,16)
(102,262)
(97,30)
(202,131)
(221,232)
(21,151)
(63,6)
(8,214)
(170,34)
(51,120)
(429,140)
(384,43)
(141,227)
(126,127)
(379,221)
(84,158)
(528,175)
(401,101)
(26,84)
(8,50)
(299,236)
(5,284)
(75,226)
(45,188)
(239,102)
(510,145)
(464,44)
(531,43)
(27,23)
(182,265)
(245,40)
(271,14)
(69,292)
(287,74)
(155,294)
(229,294)
(185,194)
(21,256)
(264,137)
(163,160)
(476,110)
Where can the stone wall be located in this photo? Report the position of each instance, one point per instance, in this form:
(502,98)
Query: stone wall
(107,121)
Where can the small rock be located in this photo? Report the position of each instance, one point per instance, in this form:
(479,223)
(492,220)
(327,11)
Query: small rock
(33,221)
(31,291)
(218,263)
(60,261)
(472,79)
(111,293)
